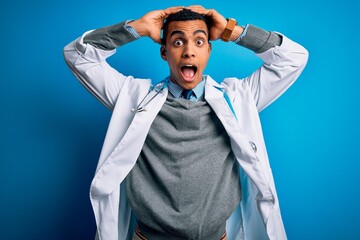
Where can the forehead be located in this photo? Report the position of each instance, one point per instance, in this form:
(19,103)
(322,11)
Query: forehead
(188,27)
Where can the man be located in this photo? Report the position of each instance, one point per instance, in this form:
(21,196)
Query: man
(185,157)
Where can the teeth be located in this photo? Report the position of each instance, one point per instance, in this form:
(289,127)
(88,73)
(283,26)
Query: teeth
(189,66)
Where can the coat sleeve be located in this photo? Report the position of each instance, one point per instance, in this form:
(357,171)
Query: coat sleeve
(281,66)
(89,65)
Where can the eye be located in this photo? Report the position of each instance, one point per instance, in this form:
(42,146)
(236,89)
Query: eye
(178,43)
(199,42)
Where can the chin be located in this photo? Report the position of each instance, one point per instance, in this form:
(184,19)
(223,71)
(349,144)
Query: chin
(190,84)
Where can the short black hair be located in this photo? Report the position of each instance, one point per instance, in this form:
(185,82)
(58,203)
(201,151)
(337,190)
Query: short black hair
(184,15)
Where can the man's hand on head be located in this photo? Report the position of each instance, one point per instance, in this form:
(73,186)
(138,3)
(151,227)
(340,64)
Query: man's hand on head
(218,22)
(151,23)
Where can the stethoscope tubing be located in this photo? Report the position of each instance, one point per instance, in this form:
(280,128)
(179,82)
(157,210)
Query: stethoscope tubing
(142,107)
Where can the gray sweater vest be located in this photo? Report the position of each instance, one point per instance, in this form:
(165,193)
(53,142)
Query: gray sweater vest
(186,183)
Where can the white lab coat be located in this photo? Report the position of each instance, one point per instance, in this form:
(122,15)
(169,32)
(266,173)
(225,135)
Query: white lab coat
(236,102)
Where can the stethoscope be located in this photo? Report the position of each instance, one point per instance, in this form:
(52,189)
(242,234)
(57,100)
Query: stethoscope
(158,88)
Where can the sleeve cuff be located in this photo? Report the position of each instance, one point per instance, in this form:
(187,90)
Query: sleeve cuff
(242,34)
(131,29)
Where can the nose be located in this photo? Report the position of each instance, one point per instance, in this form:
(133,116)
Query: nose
(189,51)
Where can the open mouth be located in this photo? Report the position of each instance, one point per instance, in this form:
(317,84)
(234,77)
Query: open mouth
(188,71)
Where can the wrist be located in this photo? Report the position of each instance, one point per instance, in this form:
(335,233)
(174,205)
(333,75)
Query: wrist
(229,29)
(238,30)
(139,27)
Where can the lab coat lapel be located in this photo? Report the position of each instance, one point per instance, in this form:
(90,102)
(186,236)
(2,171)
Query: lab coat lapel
(124,156)
(240,142)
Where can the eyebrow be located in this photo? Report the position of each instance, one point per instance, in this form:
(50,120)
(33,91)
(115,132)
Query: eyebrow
(182,33)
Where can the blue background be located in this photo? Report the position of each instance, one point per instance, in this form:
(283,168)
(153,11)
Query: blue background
(52,129)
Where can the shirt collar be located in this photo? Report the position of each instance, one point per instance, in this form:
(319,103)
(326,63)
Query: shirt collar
(176,90)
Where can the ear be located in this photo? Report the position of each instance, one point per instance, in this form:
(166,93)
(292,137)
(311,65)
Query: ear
(210,47)
(163,52)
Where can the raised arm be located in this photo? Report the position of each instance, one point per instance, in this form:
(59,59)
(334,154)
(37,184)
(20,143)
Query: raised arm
(86,56)
(281,66)
(283,59)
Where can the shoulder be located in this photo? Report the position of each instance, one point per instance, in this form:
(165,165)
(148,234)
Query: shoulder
(233,84)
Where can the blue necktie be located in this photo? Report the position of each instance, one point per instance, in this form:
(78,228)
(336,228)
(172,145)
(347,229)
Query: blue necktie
(187,93)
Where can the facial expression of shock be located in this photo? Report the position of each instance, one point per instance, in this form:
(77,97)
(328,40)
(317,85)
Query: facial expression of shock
(187,51)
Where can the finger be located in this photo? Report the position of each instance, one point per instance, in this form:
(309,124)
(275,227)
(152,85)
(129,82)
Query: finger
(176,7)
(172,10)
(195,6)
(199,10)
(210,13)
